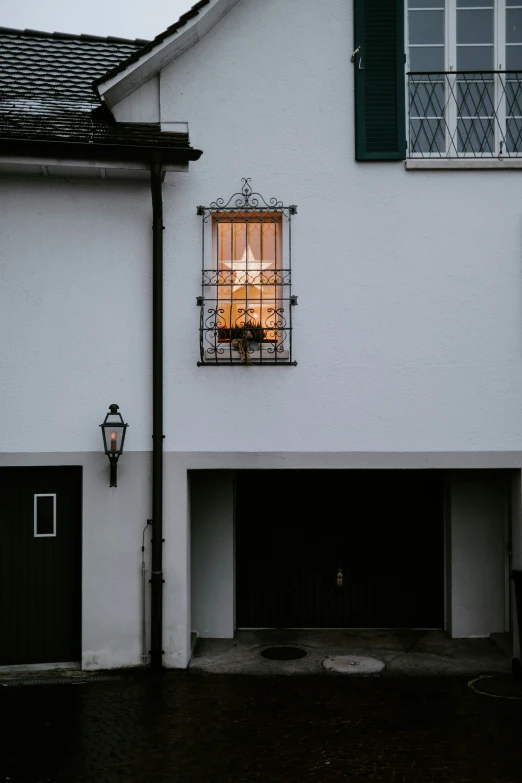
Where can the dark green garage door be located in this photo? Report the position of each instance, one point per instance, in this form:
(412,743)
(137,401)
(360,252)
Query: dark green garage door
(40,565)
(339,549)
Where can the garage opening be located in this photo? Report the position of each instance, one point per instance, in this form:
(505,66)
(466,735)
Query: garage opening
(339,549)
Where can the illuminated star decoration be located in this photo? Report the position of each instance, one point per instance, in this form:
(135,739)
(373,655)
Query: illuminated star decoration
(244,274)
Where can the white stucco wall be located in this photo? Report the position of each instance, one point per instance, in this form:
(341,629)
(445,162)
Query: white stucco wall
(479,507)
(212,553)
(113,523)
(75,303)
(408,331)
(142,105)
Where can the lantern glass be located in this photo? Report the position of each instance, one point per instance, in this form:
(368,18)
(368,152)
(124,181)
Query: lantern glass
(113,436)
(113,429)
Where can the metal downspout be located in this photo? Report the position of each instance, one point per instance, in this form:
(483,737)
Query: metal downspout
(157,419)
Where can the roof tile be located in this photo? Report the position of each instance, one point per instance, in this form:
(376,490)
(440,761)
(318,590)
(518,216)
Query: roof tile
(46,90)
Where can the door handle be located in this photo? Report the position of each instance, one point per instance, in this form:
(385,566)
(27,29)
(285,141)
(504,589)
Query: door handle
(339,579)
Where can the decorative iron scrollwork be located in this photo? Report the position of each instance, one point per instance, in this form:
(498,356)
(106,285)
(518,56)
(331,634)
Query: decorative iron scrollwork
(246,299)
(246,199)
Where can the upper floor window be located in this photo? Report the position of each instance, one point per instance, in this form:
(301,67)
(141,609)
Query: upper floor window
(246,294)
(463,96)
(465,68)
(464,35)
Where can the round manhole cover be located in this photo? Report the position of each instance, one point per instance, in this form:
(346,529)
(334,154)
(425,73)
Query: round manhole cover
(283,653)
(353,664)
(502,687)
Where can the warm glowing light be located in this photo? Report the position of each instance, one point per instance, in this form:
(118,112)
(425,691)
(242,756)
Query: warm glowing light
(248,277)
(243,274)
(113,441)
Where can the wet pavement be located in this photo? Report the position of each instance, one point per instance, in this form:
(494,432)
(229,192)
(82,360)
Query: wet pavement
(192,727)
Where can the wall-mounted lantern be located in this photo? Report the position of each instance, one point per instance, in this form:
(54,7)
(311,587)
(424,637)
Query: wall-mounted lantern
(113,430)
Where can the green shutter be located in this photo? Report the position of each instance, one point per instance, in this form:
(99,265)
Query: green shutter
(380,106)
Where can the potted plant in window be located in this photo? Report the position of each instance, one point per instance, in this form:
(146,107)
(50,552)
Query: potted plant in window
(245,339)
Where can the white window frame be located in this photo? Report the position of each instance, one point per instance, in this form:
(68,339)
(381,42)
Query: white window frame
(450,64)
(44,495)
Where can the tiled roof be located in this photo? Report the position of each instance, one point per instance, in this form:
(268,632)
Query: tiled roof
(46,90)
(54,120)
(150,45)
(50,63)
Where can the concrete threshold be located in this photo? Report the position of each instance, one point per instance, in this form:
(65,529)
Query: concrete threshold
(403,652)
(30,668)
(59,674)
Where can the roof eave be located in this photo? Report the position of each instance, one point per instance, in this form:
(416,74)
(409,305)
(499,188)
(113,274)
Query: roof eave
(73,150)
(124,79)
(141,42)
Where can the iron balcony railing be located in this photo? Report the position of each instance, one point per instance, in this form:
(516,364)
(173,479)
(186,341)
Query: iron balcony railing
(465,114)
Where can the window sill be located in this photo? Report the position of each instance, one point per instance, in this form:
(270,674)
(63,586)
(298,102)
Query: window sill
(257,357)
(462,164)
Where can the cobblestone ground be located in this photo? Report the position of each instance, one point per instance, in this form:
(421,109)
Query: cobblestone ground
(218,729)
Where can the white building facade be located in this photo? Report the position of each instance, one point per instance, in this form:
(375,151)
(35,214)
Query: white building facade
(361,401)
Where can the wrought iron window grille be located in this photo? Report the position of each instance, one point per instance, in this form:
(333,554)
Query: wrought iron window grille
(246,299)
(465,114)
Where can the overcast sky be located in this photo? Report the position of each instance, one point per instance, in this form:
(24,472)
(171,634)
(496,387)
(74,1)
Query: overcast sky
(124,18)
